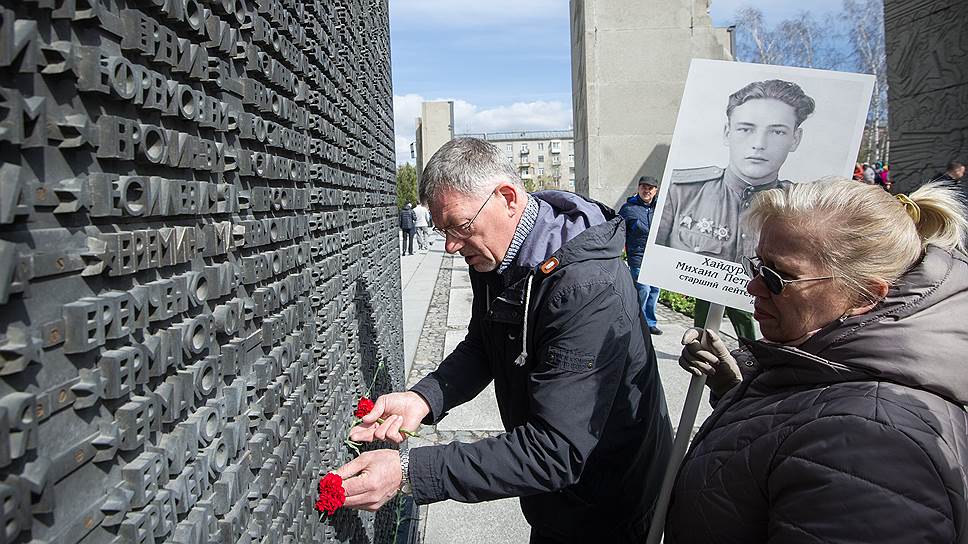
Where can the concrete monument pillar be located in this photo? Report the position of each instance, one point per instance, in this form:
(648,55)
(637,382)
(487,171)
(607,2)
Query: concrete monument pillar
(629,65)
(435,127)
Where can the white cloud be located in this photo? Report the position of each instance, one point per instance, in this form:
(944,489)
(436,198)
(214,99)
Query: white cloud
(406,109)
(476,13)
(536,115)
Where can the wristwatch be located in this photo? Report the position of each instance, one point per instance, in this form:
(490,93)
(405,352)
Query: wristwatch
(405,486)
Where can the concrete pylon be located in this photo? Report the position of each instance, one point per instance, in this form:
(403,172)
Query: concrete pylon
(435,127)
(629,66)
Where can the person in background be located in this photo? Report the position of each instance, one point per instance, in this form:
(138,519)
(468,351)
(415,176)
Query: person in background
(869,174)
(953,173)
(878,171)
(422,223)
(885,178)
(846,423)
(858,172)
(637,212)
(407,226)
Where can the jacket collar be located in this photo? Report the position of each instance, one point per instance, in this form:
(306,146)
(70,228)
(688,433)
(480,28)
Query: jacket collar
(744,190)
(569,228)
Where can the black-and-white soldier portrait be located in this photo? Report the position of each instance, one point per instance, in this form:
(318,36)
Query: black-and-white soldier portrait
(704,207)
(742,129)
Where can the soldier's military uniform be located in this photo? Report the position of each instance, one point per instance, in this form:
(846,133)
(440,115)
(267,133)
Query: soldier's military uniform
(703,213)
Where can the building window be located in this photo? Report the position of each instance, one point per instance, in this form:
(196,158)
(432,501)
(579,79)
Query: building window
(555,160)
(524,148)
(540,171)
(540,146)
(555,146)
(510,148)
(540,158)
(572,169)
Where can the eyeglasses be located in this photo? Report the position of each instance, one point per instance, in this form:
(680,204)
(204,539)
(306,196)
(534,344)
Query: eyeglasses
(463,232)
(774,282)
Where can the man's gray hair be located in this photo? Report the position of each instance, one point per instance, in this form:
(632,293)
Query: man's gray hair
(466,165)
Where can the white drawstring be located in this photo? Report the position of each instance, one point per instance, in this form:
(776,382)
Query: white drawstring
(522,358)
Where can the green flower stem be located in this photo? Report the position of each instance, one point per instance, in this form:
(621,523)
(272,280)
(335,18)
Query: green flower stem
(381,421)
(412,434)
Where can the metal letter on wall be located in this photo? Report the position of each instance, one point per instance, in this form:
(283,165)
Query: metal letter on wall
(198,265)
(927,57)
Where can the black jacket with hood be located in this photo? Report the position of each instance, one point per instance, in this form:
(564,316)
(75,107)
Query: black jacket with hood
(588,433)
(858,435)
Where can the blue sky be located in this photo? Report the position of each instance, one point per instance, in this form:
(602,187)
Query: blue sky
(505,63)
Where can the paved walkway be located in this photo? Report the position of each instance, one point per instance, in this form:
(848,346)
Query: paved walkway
(437,294)
(418,275)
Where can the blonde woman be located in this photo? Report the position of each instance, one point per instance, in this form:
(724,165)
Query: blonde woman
(846,423)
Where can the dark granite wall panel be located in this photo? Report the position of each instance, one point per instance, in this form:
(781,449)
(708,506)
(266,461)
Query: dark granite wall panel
(198,265)
(927,54)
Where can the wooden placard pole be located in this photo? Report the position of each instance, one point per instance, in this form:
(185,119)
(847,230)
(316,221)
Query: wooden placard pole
(683,433)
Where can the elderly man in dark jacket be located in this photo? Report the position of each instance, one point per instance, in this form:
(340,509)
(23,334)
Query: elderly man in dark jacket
(556,326)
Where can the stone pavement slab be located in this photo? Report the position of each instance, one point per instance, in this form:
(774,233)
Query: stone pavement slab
(459,312)
(484,523)
(418,273)
(460,277)
(481,413)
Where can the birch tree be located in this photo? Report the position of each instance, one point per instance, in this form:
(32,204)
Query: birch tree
(849,40)
(869,56)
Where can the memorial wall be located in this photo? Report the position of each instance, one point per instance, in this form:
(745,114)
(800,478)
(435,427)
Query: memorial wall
(199,272)
(927,61)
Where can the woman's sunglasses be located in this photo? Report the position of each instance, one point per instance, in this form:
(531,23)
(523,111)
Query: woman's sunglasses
(771,278)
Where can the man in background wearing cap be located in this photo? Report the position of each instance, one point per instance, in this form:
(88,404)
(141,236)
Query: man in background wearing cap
(638,212)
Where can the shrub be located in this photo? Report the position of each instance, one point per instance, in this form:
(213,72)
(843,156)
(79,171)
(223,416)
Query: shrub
(678,303)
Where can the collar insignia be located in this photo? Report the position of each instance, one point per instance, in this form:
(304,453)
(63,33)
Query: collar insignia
(548,266)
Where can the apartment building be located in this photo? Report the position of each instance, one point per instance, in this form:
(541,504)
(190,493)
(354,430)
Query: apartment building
(545,159)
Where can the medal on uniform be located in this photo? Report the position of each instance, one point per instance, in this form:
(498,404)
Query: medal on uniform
(722,232)
(686,221)
(706,226)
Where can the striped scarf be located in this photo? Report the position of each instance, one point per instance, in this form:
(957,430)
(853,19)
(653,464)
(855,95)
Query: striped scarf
(520,233)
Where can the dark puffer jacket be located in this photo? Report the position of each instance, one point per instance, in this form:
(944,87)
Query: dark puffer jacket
(860,435)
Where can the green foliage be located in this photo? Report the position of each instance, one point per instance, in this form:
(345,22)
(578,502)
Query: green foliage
(530,185)
(544,182)
(679,303)
(406,185)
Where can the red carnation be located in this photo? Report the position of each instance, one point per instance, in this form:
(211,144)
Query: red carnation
(365,406)
(331,494)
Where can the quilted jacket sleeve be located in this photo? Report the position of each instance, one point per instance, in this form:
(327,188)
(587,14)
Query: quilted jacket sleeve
(847,478)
